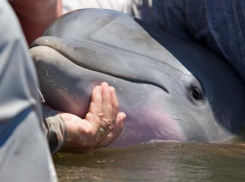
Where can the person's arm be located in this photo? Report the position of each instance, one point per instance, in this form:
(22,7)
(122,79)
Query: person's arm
(36,15)
(102,124)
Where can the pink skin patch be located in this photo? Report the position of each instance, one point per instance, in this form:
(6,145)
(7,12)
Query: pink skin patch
(147,125)
(164,127)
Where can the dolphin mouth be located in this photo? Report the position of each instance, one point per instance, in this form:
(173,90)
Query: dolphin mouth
(95,58)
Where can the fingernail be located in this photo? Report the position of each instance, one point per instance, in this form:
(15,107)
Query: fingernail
(112,89)
(105,84)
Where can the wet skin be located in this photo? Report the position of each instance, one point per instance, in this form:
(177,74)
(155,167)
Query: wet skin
(169,89)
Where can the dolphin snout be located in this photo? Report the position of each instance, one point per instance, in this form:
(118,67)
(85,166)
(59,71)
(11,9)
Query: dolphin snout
(97,58)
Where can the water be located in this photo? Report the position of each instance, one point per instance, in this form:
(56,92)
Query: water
(156,162)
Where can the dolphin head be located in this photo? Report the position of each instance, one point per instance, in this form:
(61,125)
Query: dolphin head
(169,88)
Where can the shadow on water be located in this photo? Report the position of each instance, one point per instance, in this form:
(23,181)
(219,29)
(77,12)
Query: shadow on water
(156,162)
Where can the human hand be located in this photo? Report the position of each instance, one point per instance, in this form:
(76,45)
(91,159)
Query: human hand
(101,125)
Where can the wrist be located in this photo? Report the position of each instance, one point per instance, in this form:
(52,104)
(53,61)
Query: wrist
(56,130)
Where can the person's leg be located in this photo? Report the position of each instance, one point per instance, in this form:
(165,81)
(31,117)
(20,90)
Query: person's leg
(219,25)
(24,153)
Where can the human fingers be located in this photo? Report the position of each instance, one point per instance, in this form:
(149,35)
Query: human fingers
(95,109)
(114,103)
(106,107)
(118,126)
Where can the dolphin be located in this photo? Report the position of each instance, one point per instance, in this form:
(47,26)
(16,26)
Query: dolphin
(170,89)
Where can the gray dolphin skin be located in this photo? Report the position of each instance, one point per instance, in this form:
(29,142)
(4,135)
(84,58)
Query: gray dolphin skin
(170,90)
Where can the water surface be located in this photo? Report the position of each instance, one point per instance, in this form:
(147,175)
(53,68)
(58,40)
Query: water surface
(156,162)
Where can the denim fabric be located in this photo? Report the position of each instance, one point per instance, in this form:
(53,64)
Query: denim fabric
(217,24)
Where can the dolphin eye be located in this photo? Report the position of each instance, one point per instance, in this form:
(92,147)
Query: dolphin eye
(196,94)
